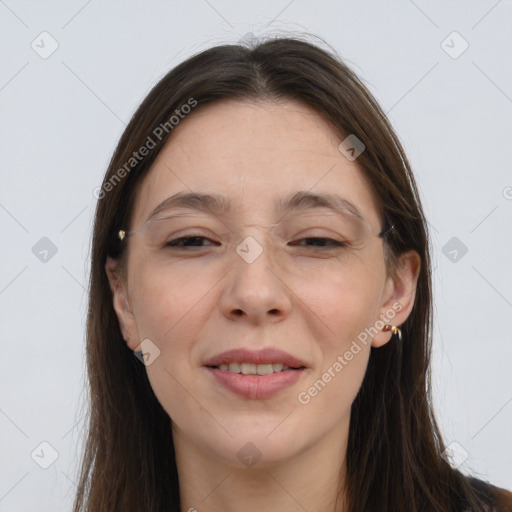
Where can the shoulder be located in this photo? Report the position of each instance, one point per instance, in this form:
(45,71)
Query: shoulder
(496,499)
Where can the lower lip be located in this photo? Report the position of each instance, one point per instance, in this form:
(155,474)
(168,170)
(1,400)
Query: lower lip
(256,386)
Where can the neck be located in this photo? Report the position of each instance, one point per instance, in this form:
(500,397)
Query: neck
(309,480)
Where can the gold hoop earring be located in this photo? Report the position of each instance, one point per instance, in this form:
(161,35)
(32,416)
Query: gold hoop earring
(394,329)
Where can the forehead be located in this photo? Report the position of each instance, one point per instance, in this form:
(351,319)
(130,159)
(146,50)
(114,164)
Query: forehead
(254,153)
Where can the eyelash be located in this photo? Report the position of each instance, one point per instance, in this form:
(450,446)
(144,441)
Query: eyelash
(333,243)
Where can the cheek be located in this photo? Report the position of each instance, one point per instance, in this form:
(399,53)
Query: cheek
(170,310)
(169,301)
(344,303)
(347,306)
(345,309)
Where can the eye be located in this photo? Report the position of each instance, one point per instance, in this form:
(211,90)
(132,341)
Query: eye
(330,242)
(186,241)
(195,241)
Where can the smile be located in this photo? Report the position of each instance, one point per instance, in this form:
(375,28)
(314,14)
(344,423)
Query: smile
(254,369)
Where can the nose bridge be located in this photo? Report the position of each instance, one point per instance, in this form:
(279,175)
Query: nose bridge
(254,286)
(256,247)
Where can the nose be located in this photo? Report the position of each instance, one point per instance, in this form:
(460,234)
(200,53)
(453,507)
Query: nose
(256,289)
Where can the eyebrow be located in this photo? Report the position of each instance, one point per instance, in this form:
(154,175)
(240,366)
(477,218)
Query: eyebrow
(218,204)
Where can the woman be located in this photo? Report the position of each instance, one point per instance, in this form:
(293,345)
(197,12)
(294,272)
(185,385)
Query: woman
(260,246)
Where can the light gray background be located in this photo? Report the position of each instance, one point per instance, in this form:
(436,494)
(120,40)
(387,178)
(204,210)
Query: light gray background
(62,116)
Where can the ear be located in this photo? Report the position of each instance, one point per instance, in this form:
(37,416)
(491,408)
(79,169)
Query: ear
(399,295)
(122,305)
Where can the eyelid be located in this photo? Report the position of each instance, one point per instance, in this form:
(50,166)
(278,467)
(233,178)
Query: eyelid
(305,233)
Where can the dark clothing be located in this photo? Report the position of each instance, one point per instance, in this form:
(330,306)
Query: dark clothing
(496,499)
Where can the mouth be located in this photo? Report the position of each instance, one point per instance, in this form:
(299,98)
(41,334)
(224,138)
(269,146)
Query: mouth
(251,362)
(255,374)
(255,369)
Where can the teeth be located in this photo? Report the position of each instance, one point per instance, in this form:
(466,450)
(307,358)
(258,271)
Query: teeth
(248,368)
(264,369)
(254,369)
(234,367)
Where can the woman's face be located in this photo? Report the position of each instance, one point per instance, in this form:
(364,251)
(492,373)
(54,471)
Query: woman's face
(259,279)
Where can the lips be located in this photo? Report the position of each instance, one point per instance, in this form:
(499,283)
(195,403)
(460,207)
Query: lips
(257,357)
(255,374)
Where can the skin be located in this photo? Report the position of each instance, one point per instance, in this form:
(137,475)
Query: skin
(309,303)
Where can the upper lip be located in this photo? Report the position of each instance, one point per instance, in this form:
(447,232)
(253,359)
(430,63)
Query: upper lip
(263,355)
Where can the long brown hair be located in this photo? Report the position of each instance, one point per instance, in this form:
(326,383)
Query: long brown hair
(394,460)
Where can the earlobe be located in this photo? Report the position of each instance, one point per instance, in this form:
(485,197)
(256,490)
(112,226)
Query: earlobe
(381,338)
